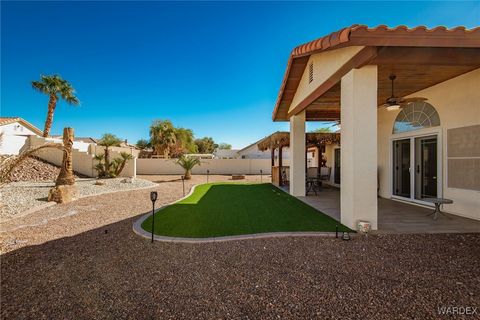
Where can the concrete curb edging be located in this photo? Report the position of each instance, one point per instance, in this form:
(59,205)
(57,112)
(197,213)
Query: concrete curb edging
(137,228)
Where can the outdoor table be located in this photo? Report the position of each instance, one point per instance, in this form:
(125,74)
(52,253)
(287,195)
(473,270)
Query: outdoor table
(438,202)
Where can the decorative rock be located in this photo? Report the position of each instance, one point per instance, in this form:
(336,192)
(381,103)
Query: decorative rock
(62,194)
(127,180)
(99,183)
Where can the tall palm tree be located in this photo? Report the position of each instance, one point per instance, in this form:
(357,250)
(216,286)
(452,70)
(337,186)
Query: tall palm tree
(163,136)
(55,87)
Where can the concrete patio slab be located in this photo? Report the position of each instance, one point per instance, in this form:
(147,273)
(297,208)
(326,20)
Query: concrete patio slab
(395,216)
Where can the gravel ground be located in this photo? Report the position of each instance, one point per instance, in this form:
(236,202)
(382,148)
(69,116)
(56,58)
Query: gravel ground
(17,197)
(90,265)
(35,169)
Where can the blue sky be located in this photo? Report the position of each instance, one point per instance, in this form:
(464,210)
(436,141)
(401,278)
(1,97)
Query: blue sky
(214,67)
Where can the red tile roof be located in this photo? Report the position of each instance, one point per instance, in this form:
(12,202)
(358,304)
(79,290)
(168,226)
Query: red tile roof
(362,35)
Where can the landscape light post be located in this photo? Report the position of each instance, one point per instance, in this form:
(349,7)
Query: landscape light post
(153,198)
(261,175)
(183,185)
(208,172)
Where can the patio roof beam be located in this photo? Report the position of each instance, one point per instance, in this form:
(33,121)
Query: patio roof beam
(362,58)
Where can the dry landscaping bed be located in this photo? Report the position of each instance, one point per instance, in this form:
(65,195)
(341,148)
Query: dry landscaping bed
(90,265)
(18,197)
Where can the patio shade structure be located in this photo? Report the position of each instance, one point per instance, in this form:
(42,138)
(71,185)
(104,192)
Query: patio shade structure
(281,139)
(345,76)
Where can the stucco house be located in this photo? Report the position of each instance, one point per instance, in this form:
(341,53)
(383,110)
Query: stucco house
(251,151)
(408,101)
(15,132)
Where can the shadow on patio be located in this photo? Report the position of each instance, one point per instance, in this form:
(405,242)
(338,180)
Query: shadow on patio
(395,216)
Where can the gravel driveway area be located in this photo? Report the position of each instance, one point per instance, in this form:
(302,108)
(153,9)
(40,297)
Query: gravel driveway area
(90,265)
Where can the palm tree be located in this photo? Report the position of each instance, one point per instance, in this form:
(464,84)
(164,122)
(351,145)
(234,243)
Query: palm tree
(108,140)
(55,87)
(121,162)
(162,136)
(188,163)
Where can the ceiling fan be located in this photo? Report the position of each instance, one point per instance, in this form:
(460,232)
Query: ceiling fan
(395,103)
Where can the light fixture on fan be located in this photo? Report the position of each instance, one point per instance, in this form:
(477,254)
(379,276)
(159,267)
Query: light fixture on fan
(395,103)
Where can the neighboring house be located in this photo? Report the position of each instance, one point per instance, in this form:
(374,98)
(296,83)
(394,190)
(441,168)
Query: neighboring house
(15,132)
(249,152)
(226,153)
(252,152)
(79,139)
(425,147)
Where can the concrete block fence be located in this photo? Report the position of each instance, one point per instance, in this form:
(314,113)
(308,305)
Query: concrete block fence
(83,156)
(215,166)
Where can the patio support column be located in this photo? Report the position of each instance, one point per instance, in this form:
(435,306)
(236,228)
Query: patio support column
(297,154)
(319,159)
(280,165)
(358,191)
(273,155)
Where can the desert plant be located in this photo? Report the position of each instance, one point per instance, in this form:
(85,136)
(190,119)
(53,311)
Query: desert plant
(119,163)
(108,140)
(116,165)
(55,87)
(188,163)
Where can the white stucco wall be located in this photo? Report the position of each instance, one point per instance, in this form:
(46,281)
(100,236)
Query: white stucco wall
(14,138)
(458,103)
(215,166)
(83,161)
(325,64)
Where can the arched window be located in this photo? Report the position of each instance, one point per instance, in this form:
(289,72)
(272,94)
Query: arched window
(417,115)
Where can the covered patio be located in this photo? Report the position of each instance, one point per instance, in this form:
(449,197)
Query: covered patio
(279,140)
(348,76)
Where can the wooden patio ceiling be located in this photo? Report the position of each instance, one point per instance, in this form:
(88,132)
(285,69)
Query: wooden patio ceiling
(419,57)
(410,79)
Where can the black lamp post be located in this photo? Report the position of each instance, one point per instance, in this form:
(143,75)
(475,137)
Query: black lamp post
(261,175)
(183,185)
(208,172)
(153,198)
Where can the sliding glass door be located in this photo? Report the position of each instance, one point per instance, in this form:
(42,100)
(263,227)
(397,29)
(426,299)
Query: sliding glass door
(415,167)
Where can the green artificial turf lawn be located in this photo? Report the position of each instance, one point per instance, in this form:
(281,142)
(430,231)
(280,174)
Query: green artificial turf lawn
(223,209)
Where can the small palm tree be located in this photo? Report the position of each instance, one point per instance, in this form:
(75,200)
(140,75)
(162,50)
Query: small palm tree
(121,162)
(108,140)
(55,87)
(188,163)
